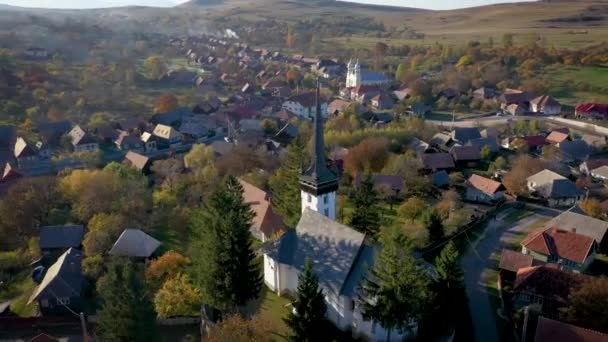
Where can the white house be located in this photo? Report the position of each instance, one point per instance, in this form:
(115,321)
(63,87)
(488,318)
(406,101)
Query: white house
(339,254)
(82,141)
(303,105)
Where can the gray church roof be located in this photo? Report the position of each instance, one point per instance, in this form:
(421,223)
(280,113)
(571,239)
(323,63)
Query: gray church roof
(368,76)
(333,249)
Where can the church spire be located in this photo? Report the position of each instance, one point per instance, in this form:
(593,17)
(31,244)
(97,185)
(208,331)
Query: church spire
(318,179)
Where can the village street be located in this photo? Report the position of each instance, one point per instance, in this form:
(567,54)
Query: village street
(477,263)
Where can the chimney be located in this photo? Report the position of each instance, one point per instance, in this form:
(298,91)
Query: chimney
(574,230)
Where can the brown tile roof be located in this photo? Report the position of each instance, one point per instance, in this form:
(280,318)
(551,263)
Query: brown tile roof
(437,161)
(556,137)
(337,106)
(545,100)
(548,330)
(137,160)
(265,220)
(465,153)
(485,185)
(561,243)
(548,281)
(513,260)
(306,99)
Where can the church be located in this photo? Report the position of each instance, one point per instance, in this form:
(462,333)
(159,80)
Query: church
(340,255)
(355,77)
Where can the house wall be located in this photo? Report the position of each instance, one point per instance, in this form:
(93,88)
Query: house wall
(476,195)
(86,148)
(563,202)
(319,204)
(270,273)
(304,112)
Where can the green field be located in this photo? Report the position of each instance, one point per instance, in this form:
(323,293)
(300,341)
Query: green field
(574,84)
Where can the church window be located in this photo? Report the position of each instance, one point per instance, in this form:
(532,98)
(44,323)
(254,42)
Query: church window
(325,199)
(309,198)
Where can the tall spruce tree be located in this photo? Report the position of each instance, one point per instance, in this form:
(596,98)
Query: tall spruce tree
(395,293)
(126,313)
(431,220)
(448,286)
(308,319)
(225,266)
(366,214)
(284,184)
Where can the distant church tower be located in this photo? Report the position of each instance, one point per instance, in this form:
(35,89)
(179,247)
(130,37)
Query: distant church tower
(319,184)
(353,75)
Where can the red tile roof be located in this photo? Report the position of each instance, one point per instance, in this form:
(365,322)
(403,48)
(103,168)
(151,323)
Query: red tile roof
(556,137)
(592,107)
(534,140)
(513,260)
(548,281)
(548,330)
(485,185)
(561,243)
(265,220)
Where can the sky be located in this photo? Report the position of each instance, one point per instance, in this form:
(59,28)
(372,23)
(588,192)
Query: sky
(428,4)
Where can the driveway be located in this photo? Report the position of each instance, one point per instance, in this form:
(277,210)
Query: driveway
(498,234)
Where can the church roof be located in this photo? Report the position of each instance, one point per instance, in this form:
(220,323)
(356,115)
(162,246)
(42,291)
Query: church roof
(332,247)
(368,76)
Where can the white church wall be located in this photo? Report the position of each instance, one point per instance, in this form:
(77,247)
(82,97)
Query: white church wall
(324,204)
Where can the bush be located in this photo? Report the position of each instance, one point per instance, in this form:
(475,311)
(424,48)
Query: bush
(12,261)
(92,267)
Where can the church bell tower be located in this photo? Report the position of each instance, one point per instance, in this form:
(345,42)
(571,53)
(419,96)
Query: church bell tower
(319,184)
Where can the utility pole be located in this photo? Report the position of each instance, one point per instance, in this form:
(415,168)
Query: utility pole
(83,324)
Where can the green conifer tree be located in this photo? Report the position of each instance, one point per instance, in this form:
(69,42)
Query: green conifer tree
(366,215)
(431,220)
(307,319)
(448,286)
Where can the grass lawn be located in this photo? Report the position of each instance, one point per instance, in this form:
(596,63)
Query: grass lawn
(272,308)
(565,78)
(599,265)
(18,291)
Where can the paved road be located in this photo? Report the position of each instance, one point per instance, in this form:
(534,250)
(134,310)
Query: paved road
(477,260)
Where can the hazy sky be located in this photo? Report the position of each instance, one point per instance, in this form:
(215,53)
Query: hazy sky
(430,4)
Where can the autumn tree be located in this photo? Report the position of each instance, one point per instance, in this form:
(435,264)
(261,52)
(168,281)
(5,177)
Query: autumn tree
(380,52)
(225,266)
(238,329)
(450,201)
(166,103)
(155,67)
(284,184)
(177,297)
(168,265)
(550,153)
(307,319)
(401,72)
(589,305)
(412,208)
(366,213)
(396,291)
(102,231)
(199,157)
(523,166)
(507,40)
(592,207)
(368,156)
(269,126)
(486,152)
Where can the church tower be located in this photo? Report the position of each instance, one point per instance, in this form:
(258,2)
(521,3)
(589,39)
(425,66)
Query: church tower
(319,184)
(353,75)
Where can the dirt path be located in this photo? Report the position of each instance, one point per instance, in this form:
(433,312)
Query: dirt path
(476,262)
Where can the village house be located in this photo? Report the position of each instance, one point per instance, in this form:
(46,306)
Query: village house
(54,240)
(437,161)
(356,77)
(484,93)
(584,225)
(303,105)
(515,97)
(515,109)
(591,111)
(62,288)
(596,142)
(591,164)
(51,132)
(29,156)
(382,101)
(556,189)
(129,142)
(337,106)
(510,262)
(339,254)
(418,146)
(572,251)
(442,141)
(462,135)
(557,137)
(546,105)
(387,185)
(167,136)
(546,286)
(480,143)
(82,141)
(135,244)
(600,173)
(533,143)
(465,156)
(490,133)
(9,174)
(362,94)
(138,161)
(484,190)
(149,141)
(575,150)
(266,223)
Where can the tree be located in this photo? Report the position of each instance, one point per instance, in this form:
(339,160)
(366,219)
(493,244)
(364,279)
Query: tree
(166,103)
(126,312)
(92,266)
(269,126)
(307,318)
(450,201)
(103,230)
(401,72)
(589,305)
(592,207)
(431,220)
(486,152)
(370,155)
(412,208)
(550,153)
(177,297)
(380,51)
(168,265)
(448,286)
(523,166)
(225,266)
(238,329)
(507,40)
(199,157)
(155,67)
(365,217)
(291,37)
(395,293)
(499,163)
(284,184)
